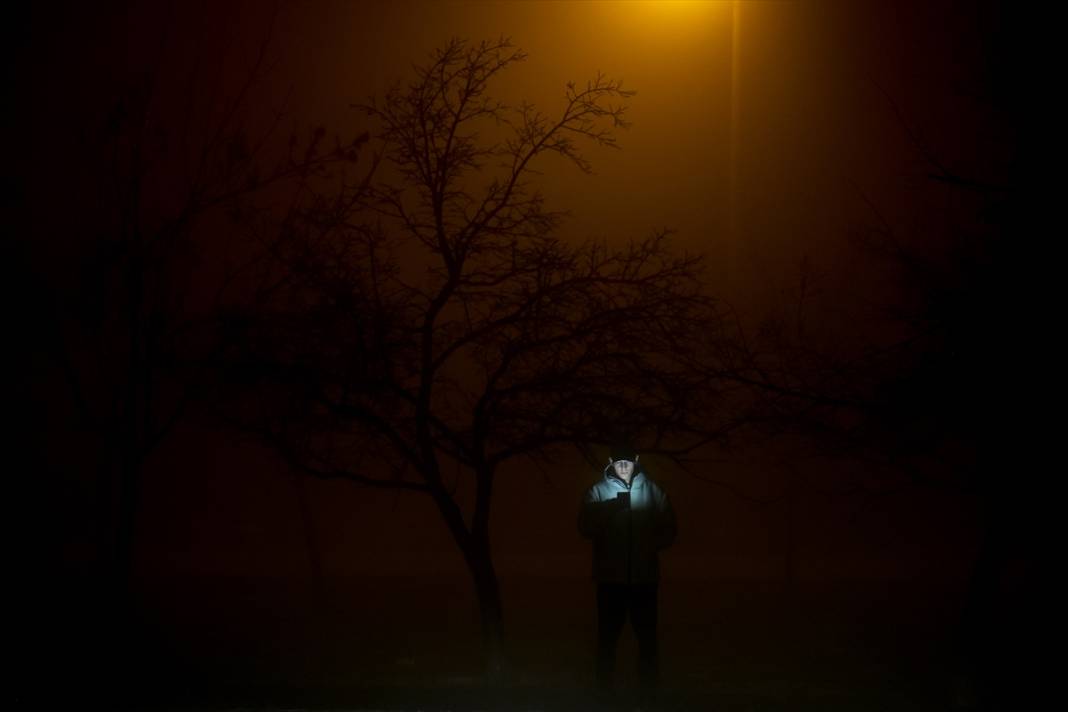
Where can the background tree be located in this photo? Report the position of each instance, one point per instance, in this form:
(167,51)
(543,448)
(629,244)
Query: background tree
(170,167)
(436,321)
(945,398)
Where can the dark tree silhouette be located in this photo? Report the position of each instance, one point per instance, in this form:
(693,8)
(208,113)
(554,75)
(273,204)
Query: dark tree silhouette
(435,320)
(170,176)
(946,398)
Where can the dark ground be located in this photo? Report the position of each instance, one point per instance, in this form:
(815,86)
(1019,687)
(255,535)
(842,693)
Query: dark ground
(412,643)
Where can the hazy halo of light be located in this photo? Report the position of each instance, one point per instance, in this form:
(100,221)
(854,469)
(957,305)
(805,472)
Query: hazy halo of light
(678,8)
(673,19)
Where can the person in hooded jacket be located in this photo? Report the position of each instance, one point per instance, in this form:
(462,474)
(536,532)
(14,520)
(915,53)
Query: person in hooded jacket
(629,519)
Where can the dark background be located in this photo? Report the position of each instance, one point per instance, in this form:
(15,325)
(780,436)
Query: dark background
(253,584)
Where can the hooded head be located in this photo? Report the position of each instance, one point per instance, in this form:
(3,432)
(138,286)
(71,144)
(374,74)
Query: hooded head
(624,460)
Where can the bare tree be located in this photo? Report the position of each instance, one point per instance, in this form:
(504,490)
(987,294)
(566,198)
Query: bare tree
(945,399)
(172,173)
(437,320)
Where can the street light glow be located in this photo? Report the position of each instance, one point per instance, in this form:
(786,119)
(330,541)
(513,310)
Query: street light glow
(679,10)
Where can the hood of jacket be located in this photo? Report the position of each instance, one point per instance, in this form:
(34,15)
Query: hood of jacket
(610,476)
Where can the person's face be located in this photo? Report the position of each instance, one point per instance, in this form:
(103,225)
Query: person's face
(624,469)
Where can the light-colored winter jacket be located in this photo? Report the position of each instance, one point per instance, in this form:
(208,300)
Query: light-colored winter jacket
(626,540)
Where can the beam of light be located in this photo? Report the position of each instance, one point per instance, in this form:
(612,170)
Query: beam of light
(732,228)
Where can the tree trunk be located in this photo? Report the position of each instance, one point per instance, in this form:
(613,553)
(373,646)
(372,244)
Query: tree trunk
(790,553)
(475,547)
(986,643)
(122,560)
(119,661)
(488,592)
(791,605)
(311,539)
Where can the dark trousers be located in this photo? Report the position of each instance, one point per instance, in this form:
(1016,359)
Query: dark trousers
(614,602)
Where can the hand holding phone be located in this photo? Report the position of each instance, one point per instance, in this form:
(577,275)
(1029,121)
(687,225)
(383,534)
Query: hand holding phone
(623,500)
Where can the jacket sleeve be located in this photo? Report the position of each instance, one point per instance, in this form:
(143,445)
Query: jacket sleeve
(666,527)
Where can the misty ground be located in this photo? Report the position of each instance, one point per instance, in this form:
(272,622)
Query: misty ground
(412,643)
